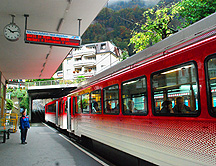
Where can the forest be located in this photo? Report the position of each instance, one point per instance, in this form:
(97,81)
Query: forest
(132,26)
(116,23)
(115,26)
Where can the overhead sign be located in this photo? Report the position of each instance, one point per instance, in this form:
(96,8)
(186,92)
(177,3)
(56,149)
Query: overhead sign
(48,38)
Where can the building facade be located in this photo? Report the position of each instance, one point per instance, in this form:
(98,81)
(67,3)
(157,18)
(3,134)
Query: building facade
(90,59)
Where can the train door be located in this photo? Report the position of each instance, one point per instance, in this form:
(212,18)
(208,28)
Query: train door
(69,114)
(57,110)
(61,107)
(73,113)
(64,112)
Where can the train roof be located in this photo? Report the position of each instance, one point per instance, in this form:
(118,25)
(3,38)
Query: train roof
(187,36)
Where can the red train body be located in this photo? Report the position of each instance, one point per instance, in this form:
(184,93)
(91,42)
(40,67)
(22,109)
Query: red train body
(101,108)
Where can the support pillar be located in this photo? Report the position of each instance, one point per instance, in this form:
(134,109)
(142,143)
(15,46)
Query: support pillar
(2,95)
(30,108)
(1,103)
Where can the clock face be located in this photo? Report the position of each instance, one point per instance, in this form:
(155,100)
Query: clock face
(12,32)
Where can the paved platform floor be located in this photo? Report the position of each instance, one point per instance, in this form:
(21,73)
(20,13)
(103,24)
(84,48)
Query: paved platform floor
(45,147)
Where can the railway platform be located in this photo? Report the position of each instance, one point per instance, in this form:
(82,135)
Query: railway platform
(45,147)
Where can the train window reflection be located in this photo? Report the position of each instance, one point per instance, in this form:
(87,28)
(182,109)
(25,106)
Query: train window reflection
(78,110)
(66,106)
(85,103)
(212,83)
(134,97)
(175,91)
(96,102)
(111,99)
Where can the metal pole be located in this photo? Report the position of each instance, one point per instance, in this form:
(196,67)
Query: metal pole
(26,19)
(30,108)
(79,26)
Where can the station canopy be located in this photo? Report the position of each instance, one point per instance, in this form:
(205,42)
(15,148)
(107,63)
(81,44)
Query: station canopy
(20,60)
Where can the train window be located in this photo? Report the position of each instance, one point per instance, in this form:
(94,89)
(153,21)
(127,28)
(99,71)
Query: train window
(175,91)
(211,79)
(111,99)
(51,108)
(66,106)
(96,102)
(59,108)
(85,103)
(134,97)
(78,110)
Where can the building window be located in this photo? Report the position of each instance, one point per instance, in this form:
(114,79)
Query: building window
(78,59)
(175,91)
(103,46)
(68,71)
(68,60)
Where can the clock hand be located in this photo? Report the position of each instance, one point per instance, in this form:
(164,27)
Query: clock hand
(10,30)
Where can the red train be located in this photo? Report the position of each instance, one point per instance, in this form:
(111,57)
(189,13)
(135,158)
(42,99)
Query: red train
(158,105)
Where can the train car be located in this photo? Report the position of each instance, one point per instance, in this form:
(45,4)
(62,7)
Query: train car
(157,106)
(62,116)
(57,113)
(54,112)
(50,112)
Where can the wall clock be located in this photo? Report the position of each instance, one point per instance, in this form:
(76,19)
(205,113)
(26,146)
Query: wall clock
(12,32)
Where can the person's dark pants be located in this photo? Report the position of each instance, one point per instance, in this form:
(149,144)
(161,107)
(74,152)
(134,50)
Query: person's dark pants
(23,134)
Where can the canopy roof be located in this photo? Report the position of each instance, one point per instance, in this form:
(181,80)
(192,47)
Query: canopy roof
(19,60)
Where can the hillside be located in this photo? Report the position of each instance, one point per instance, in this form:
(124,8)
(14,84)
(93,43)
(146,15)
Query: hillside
(117,25)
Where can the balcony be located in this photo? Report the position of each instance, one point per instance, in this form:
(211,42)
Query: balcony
(85,74)
(84,52)
(83,63)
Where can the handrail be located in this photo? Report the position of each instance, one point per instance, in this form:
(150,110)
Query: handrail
(52,82)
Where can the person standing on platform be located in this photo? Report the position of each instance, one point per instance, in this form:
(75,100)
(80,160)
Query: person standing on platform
(24,126)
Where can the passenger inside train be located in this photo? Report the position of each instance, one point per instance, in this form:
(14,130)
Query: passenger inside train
(131,107)
(167,107)
(95,107)
(180,107)
(124,108)
(108,107)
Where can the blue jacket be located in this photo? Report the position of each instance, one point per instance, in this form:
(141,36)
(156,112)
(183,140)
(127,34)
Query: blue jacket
(24,122)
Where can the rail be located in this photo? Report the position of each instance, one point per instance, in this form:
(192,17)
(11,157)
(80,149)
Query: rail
(53,82)
(4,129)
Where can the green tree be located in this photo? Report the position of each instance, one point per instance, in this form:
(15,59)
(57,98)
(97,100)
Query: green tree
(9,104)
(114,26)
(194,10)
(80,79)
(24,103)
(158,26)
(22,96)
(124,55)
(18,93)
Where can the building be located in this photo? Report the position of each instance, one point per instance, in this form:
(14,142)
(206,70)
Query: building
(90,59)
